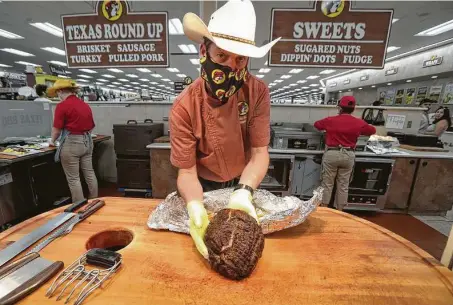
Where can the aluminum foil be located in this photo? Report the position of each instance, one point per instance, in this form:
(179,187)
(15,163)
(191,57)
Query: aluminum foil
(274,213)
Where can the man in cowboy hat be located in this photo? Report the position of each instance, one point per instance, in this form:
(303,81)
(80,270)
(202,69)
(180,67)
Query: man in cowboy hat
(342,132)
(219,125)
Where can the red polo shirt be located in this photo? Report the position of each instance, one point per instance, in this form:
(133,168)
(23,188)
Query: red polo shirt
(74,115)
(344,130)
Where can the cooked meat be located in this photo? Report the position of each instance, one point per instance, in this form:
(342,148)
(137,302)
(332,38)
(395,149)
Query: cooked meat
(235,242)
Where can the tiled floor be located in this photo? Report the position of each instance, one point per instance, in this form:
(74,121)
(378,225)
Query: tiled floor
(428,232)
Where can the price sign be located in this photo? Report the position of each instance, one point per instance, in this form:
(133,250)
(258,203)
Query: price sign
(395,121)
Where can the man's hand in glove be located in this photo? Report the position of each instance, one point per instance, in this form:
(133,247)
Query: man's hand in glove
(242,200)
(197,225)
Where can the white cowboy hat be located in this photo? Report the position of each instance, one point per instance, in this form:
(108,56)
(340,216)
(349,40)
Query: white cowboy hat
(231,28)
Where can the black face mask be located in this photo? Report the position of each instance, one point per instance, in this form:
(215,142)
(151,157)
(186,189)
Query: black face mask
(222,81)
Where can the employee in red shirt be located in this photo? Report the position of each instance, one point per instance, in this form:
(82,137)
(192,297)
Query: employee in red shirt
(342,132)
(72,125)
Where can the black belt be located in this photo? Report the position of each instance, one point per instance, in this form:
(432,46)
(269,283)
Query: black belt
(340,148)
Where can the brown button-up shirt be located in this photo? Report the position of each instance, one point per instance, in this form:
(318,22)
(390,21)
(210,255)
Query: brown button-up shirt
(218,138)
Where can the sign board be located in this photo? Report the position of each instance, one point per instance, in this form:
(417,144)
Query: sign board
(14,76)
(346,81)
(391,71)
(116,37)
(395,121)
(180,86)
(434,61)
(330,34)
(57,70)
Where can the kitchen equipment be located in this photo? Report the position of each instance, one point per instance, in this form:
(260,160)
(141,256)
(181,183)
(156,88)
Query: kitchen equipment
(132,138)
(420,140)
(20,245)
(24,276)
(295,136)
(93,277)
(67,227)
(369,180)
(306,175)
(279,174)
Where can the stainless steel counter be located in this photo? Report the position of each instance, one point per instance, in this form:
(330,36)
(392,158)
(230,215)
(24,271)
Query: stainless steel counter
(404,153)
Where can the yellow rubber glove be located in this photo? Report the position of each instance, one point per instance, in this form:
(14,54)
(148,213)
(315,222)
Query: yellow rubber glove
(242,200)
(197,225)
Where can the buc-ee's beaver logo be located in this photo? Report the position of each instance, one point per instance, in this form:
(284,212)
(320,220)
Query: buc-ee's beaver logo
(220,93)
(218,76)
(332,8)
(112,9)
(231,91)
(243,108)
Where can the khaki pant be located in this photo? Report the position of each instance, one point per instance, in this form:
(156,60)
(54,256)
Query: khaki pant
(337,164)
(77,154)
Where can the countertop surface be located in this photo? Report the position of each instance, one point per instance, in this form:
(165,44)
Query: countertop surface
(4,158)
(404,153)
(331,258)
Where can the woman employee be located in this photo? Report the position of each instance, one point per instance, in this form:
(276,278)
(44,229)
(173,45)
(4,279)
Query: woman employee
(72,124)
(442,121)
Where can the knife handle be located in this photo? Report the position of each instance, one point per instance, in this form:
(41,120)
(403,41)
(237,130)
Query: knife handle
(32,284)
(91,211)
(75,206)
(92,203)
(9,268)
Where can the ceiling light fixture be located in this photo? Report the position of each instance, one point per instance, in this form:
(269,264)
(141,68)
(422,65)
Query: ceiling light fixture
(63,76)
(181,75)
(438,29)
(156,75)
(408,81)
(175,27)
(135,83)
(115,70)
(292,85)
(286,76)
(85,76)
(17,52)
(195,61)
(55,50)
(108,75)
(394,20)
(49,28)
(5,66)
(123,80)
(305,88)
(295,71)
(116,83)
(81,80)
(144,70)
(166,80)
(58,63)
(132,75)
(360,88)
(327,71)
(278,80)
(313,77)
(373,86)
(314,85)
(301,81)
(434,76)
(389,84)
(102,80)
(392,48)
(264,70)
(88,71)
(187,48)
(25,63)
(144,79)
(172,70)
(10,35)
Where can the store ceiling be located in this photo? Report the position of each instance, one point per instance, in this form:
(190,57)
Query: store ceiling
(15,16)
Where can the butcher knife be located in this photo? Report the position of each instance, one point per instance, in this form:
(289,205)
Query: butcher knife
(20,245)
(24,276)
